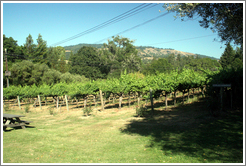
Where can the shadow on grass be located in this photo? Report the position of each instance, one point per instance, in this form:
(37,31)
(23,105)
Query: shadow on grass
(17,128)
(190,130)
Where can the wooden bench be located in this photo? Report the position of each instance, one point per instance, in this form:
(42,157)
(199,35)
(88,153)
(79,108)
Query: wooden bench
(10,120)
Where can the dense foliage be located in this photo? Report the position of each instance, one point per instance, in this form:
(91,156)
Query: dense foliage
(116,69)
(224,18)
(126,84)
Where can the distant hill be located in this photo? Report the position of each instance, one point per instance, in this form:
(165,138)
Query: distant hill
(144,52)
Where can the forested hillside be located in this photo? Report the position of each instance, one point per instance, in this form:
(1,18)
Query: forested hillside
(146,53)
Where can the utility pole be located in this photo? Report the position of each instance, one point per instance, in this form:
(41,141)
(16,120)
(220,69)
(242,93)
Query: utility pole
(7,73)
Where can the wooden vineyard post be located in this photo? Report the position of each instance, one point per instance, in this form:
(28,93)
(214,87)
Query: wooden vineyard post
(151,101)
(175,98)
(66,102)
(129,100)
(57,103)
(39,101)
(101,97)
(18,99)
(188,96)
(94,98)
(183,97)
(222,86)
(166,99)
(85,102)
(120,101)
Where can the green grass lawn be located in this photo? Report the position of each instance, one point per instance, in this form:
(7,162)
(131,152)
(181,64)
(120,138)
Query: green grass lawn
(185,134)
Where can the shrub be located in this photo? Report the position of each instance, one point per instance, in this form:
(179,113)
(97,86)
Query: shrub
(51,111)
(6,107)
(140,111)
(27,108)
(87,110)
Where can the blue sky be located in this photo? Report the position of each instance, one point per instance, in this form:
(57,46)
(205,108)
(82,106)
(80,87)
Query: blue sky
(59,21)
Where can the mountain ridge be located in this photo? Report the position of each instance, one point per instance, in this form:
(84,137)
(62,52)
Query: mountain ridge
(144,52)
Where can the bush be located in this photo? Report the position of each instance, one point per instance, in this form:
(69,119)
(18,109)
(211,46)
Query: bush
(51,111)
(27,108)
(6,107)
(87,110)
(140,111)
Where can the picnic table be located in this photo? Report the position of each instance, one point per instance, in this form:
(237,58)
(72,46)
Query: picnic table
(10,120)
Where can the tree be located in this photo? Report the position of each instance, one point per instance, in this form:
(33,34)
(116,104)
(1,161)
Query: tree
(29,47)
(37,72)
(122,54)
(86,62)
(156,66)
(13,49)
(227,57)
(203,63)
(224,18)
(40,50)
(21,73)
(62,65)
(51,76)
(172,60)
(52,57)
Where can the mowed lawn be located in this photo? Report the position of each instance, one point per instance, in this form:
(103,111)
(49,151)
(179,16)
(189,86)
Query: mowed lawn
(184,134)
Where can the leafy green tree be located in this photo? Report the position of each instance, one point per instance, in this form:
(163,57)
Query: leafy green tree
(13,49)
(122,54)
(21,73)
(203,63)
(224,18)
(62,66)
(37,73)
(227,57)
(69,78)
(52,57)
(171,60)
(86,62)
(156,66)
(51,76)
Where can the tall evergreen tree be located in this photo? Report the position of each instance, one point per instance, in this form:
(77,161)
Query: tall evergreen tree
(227,57)
(40,50)
(29,47)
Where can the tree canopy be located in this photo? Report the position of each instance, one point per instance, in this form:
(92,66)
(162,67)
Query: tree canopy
(86,62)
(224,18)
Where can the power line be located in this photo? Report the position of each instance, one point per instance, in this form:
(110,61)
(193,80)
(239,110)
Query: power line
(118,18)
(182,39)
(135,26)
